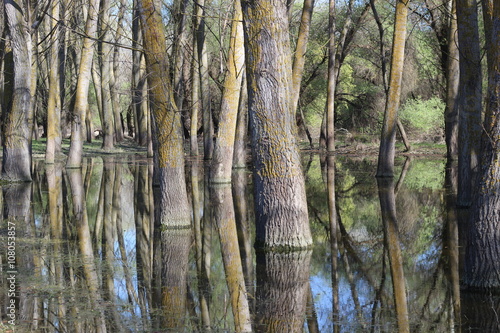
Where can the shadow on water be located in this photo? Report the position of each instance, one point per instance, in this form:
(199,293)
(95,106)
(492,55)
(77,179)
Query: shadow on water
(81,253)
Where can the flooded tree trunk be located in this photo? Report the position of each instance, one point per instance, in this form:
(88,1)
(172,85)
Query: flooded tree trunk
(282,290)
(224,217)
(18,117)
(388,138)
(452,84)
(54,139)
(280,200)
(392,242)
(108,127)
(222,159)
(470,99)
(81,106)
(482,259)
(86,249)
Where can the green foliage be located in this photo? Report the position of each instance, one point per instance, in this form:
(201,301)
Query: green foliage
(425,174)
(424,116)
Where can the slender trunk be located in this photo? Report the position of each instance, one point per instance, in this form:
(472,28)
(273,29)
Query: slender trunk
(300,53)
(206,106)
(391,237)
(108,129)
(115,73)
(388,138)
(224,217)
(82,89)
(332,80)
(452,84)
(222,159)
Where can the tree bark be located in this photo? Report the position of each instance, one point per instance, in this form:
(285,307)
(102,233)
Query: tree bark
(279,188)
(18,117)
(108,127)
(470,99)
(82,88)
(332,81)
(452,85)
(222,159)
(482,260)
(387,149)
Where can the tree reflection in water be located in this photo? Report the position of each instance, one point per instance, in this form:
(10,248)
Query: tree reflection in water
(86,262)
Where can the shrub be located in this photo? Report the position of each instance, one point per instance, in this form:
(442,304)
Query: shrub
(423,116)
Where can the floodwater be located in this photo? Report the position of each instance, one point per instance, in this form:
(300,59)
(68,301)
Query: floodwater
(79,253)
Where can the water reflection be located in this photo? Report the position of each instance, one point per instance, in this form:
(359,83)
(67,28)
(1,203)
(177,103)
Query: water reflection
(89,257)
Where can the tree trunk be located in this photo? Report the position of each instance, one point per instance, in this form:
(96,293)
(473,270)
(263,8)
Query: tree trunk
(138,82)
(482,260)
(173,204)
(282,289)
(82,89)
(208,129)
(470,99)
(279,188)
(332,80)
(391,237)
(85,245)
(224,216)
(388,138)
(115,72)
(240,137)
(452,84)
(300,53)
(18,118)
(108,127)
(222,159)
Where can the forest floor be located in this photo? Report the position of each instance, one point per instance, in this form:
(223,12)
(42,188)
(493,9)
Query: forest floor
(129,146)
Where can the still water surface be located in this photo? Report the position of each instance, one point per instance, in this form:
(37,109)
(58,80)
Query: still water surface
(99,272)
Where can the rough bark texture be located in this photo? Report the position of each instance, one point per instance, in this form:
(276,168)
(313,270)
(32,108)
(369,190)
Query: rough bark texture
(18,118)
(470,99)
(482,266)
(388,138)
(82,88)
(279,189)
(173,204)
(282,289)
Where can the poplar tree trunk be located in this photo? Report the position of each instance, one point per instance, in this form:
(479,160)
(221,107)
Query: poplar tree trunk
(300,53)
(138,82)
(482,259)
(222,159)
(387,149)
(452,84)
(108,128)
(173,203)
(18,117)
(279,187)
(332,80)
(115,71)
(82,88)
(470,99)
